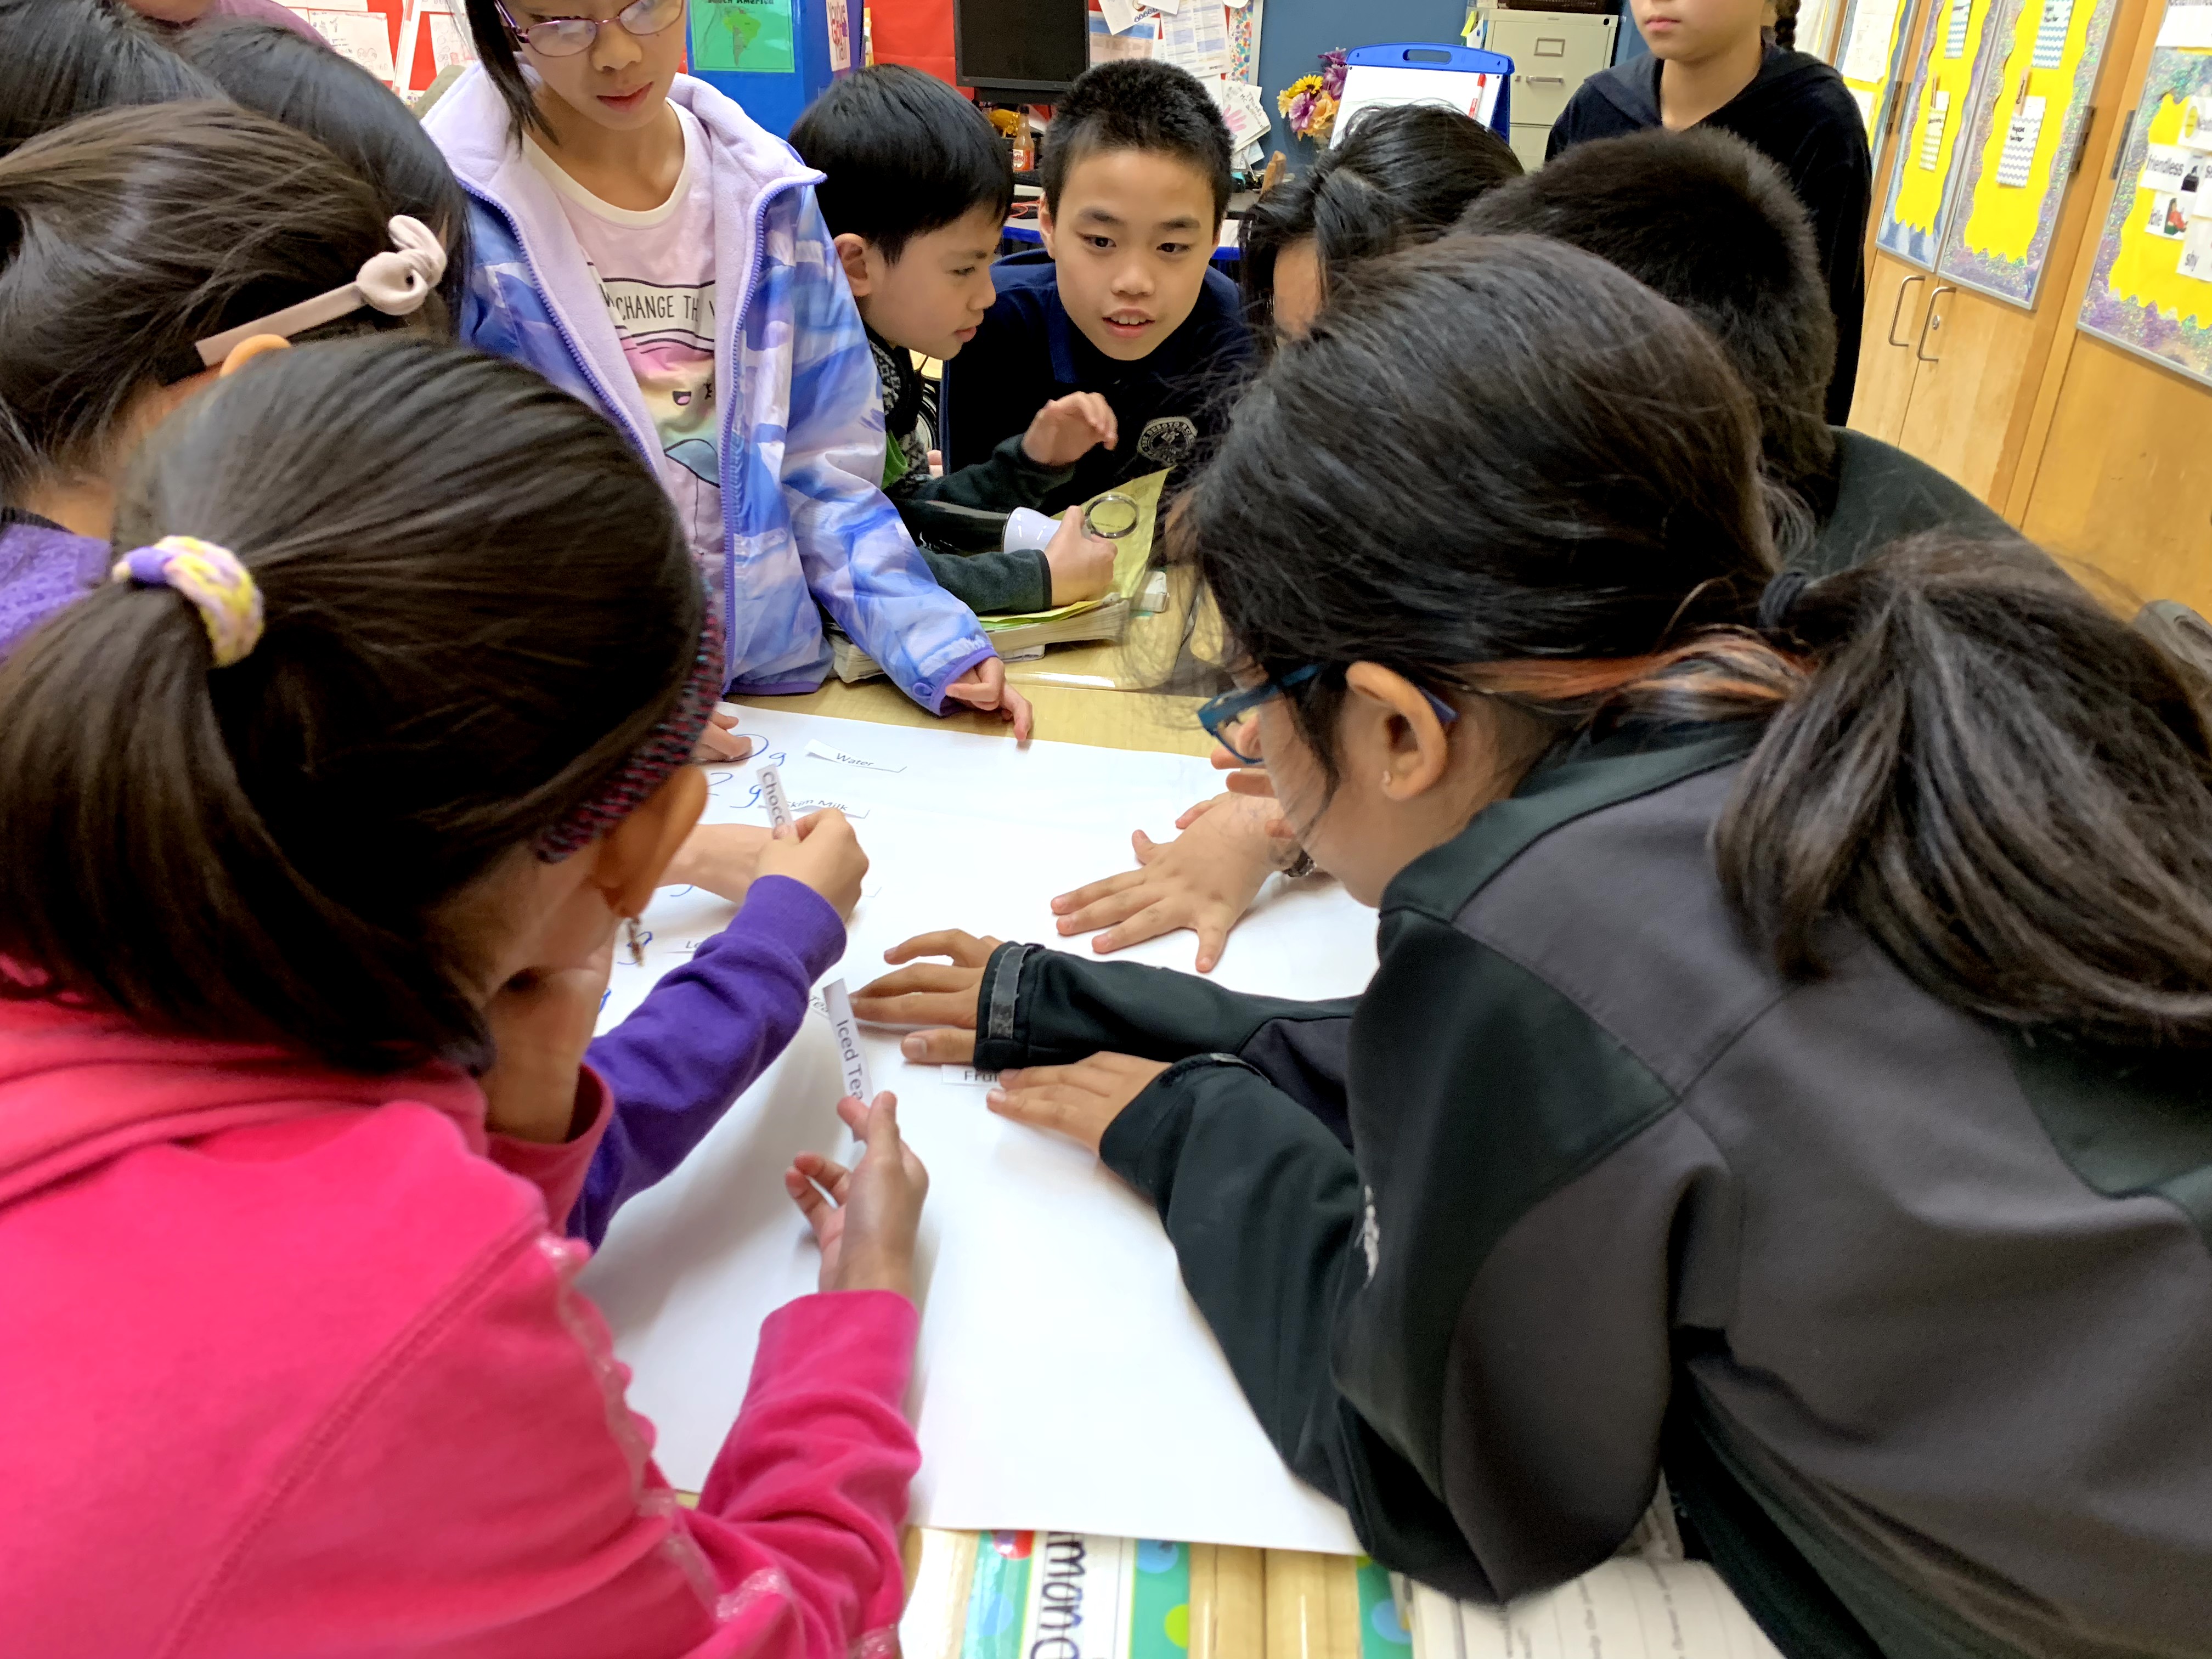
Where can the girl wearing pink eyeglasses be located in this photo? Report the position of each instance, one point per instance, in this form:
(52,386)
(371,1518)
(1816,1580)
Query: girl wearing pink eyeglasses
(645,244)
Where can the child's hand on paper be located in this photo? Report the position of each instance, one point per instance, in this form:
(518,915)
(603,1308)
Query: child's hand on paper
(541,1023)
(984,687)
(938,996)
(1063,431)
(720,741)
(722,857)
(1082,564)
(1078,1101)
(823,854)
(866,1225)
(1204,880)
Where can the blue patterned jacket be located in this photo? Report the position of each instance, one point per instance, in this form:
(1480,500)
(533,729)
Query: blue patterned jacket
(802,448)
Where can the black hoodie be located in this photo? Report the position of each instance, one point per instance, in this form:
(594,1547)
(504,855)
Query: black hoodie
(1798,112)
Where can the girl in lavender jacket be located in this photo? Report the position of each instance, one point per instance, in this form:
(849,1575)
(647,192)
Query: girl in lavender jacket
(644,245)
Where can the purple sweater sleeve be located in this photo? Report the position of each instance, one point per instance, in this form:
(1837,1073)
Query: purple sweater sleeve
(700,1038)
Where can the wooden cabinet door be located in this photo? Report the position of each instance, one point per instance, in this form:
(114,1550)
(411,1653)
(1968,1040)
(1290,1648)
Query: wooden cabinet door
(1897,307)
(1972,363)
(2126,485)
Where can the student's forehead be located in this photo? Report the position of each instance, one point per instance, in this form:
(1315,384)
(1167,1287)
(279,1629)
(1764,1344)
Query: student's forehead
(1139,186)
(974,233)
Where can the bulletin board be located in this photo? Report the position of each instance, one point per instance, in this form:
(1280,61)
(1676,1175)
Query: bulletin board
(2022,146)
(1868,51)
(1953,63)
(2150,290)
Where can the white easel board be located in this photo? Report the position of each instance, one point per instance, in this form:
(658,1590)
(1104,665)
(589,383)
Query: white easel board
(1368,86)
(1064,1382)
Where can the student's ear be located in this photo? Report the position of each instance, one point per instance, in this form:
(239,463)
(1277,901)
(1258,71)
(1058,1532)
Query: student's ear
(246,351)
(853,253)
(1402,737)
(636,852)
(1044,229)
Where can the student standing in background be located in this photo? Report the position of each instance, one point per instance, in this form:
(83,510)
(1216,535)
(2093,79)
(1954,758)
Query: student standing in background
(1710,63)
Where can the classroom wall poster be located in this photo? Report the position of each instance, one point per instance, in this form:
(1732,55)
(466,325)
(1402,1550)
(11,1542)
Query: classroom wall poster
(2021,148)
(753,36)
(2150,289)
(1867,51)
(1953,62)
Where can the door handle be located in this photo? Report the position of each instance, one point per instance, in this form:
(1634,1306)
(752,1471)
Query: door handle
(1897,310)
(1933,322)
(1545,80)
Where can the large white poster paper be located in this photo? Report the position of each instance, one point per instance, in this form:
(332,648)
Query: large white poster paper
(1064,1380)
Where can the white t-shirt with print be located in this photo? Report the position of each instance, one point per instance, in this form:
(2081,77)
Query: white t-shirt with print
(656,272)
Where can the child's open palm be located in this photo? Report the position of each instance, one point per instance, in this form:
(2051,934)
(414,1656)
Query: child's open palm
(1063,431)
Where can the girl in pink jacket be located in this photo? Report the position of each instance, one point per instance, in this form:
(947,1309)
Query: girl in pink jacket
(321,816)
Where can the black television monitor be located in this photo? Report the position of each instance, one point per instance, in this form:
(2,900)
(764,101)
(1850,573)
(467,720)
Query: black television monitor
(1023,51)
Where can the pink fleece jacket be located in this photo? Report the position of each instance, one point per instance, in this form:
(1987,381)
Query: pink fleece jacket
(295,1366)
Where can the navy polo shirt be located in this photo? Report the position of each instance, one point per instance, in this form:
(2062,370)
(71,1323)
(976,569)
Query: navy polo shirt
(1027,351)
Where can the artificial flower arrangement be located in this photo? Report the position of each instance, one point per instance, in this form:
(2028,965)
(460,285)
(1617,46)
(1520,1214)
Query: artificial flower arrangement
(1309,103)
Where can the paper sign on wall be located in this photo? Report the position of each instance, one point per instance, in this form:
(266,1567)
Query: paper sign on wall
(753,35)
(1931,134)
(2051,34)
(2196,249)
(1954,39)
(360,37)
(1866,55)
(2018,153)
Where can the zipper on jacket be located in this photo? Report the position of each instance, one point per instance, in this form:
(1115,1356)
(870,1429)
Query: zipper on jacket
(611,403)
(768,199)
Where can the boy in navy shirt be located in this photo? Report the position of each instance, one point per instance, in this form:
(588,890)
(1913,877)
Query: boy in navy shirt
(1123,300)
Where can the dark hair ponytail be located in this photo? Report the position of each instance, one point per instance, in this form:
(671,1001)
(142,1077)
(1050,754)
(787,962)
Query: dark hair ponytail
(2006,785)
(60,59)
(127,236)
(477,607)
(1400,175)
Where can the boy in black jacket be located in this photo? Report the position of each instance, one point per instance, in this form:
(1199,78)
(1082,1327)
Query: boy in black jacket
(1712,66)
(1123,301)
(916,187)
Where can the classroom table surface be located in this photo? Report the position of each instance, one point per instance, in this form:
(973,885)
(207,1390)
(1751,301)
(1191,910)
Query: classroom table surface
(1244,1603)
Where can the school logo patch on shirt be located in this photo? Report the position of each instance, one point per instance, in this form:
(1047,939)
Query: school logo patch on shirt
(1170,440)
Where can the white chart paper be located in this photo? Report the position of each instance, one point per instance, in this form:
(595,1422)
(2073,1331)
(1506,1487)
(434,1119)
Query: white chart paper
(1064,1380)
(1954,37)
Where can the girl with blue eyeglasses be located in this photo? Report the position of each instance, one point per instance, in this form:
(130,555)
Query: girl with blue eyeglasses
(646,246)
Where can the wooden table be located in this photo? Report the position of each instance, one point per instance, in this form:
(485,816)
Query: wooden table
(1244,1603)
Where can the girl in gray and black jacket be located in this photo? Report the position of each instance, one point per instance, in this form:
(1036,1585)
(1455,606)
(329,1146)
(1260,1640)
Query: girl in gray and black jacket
(1787,1060)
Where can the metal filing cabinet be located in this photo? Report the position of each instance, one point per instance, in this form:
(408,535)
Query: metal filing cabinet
(1553,53)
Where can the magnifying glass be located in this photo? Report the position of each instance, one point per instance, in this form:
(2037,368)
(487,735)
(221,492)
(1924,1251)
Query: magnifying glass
(1112,516)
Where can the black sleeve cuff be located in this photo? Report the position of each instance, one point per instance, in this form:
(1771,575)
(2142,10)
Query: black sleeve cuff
(1144,1143)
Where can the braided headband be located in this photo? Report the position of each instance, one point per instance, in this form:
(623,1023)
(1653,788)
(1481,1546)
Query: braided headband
(396,284)
(223,591)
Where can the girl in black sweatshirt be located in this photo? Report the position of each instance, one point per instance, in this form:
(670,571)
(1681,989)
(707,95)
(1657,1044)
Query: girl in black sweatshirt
(1710,64)
(1785,1063)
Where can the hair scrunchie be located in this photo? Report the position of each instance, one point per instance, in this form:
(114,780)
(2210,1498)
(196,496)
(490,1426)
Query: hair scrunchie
(219,588)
